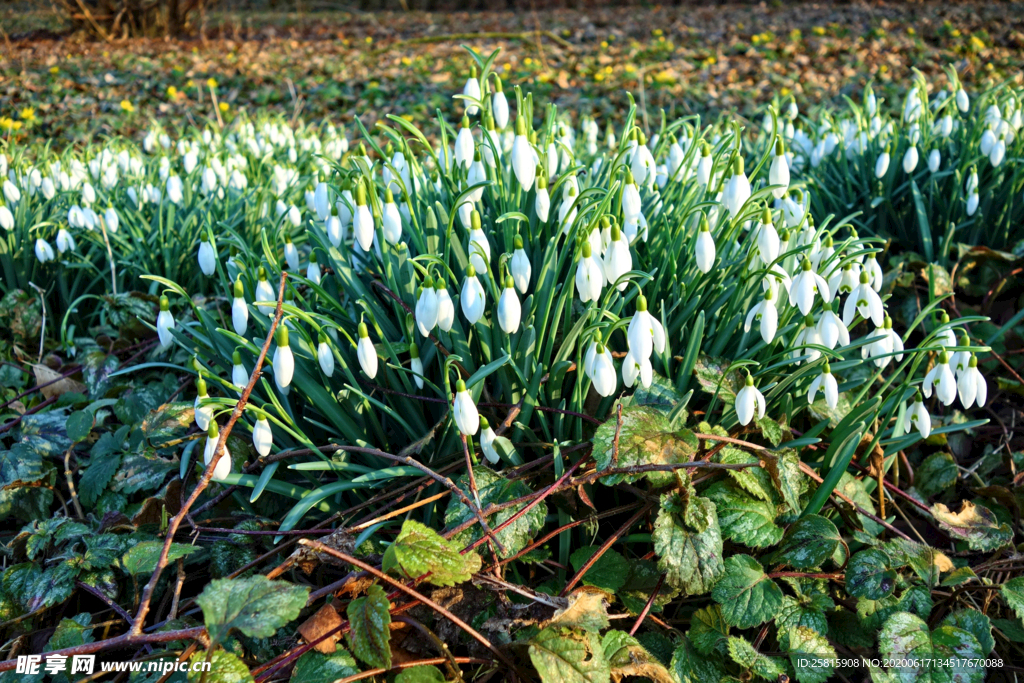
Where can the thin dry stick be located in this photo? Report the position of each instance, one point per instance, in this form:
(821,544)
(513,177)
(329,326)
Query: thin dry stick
(120,641)
(647,607)
(71,482)
(407,665)
(399,511)
(413,594)
(204,481)
(606,545)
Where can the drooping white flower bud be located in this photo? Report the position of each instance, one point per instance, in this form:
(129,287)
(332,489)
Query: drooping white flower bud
(617,259)
(778,174)
(524,163)
(589,276)
(363,220)
(366,353)
(704,248)
(473,297)
(223,467)
(971,384)
(208,255)
(445,306)
(239,376)
(749,400)
(499,105)
(165,323)
(826,383)
(519,266)
(284,360)
(510,311)
(203,414)
(416,365)
(768,316)
(941,379)
(464,411)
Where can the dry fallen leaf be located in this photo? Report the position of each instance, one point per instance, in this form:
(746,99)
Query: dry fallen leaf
(325,620)
(45,375)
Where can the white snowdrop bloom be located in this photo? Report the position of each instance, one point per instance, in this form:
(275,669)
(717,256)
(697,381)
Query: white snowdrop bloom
(426,307)
(416,365)
(945,126)
(88,195)
(777,280)
(473,298)
(510,311)
(602,370)
(808,336)
(676,157)
(634,366)
(478,248)
(391,219)
(805,285)
(165,323)
(542,201)
(704,247)
(874,271)
(551,160)
(334,227)
(208,255)
(325,355)
(910,159)
(499,105)
(519,266)
(882,164)
(476,177)
(945,336)
(998,152)
(963,102)
(645,333)
(445,307)
(778,173)
(832,330)
(464,147)
(264,292)
(822,259)
(487,437)
(175,190)
(223,467)
(793,211)
(203,414)
(642,163)
(987,142)
(567,212)
(972,181)
(47,188)
(882,350)
(208,181)
(916,417)
(262,435)
(471,89)
(934,160)
(912,106)
(865,301)
(365,352)
(239,376)
(767,315)
(631,203)
(704,165)
(313,269)
(284,360)
(748,401)
(65,242)
(363,220)
(617,259)
(941,379)
(465,213)
(826,383)
(294,216)
(959,360)
(6,217)
(291,254)
(972,203)
(971,385)
(464,411)
(589,276)
(322,200)
(737,189)
(524,162)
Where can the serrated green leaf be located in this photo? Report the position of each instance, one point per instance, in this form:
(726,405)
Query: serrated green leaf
(786,476)
(1013,593)
(927,562)
(420,550)
(744,654)
(709,631)
(936,474)
(563,655)
(256,606)
(975,524)
(905,637)
(808,542)
(225,667)
(690,666)
(868,575)
(142,558)
(420,674)
(808,611)
(495,489)
(747,596)
(755,480)
(742,518)
(771,430)
(975,623)
(610,571)
(628,658)
(71,632)
(79,425)
(810,653)
(98,474)
(370,620)
(645,438)
(691,560)
(315,667)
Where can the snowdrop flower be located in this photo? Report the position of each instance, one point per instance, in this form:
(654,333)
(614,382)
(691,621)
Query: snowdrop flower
(313,269)
(749,400)
(479,248)
(910,159)
(487,437)
(223,467)
(334,227)
(874,272)
(793,211)
(946,336)
(519,266)
(972,203)
(807,337)
(916,416)
(291,254)
(883,349)
(239,376)
(471,89)
(65,242)
(567,211)
(6,217)
(988,141)
(464,144)
(599,367)
(832,330)
(391,219)
(47,188)
(524,163)
(940,378)
(542,202)
(778,174)
(589,276)
(365,352)
(934,160)
(445,306)
(467,419)
(284,360)
(322,200)
(870,102)
(737,190)
(499,105)
(998,152)
(963,102)
(767,315)
(426,307)
(865,301)
(704,165)
(704,248)
(363,220)
(826,383)
(473,297)
(645,332)
(617,259)
(416,365)
(111,219)
(959,360)
(631,205)
(971,384)
(208,255)
(882,163)
(262,435)
(203,414)
(264,292)
(164,323)
(324,354)
(635,365)
(510,311)
(642,164)
(174,190)
(805,285)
